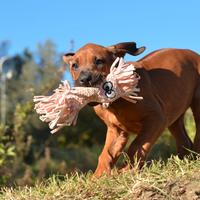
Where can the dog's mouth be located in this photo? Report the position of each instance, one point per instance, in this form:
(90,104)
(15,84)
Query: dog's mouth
(94,79)
(97,79)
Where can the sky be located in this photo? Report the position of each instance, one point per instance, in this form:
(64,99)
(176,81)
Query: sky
(151,23)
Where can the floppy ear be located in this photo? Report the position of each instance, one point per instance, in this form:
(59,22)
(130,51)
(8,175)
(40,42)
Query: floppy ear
(121,49)
(67,57)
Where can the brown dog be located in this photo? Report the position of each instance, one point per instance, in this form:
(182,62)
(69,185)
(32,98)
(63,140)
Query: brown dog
(170,83)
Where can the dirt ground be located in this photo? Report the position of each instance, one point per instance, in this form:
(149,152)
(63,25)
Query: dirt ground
(183,189)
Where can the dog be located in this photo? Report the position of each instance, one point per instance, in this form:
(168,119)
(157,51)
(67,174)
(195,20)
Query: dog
(169,85)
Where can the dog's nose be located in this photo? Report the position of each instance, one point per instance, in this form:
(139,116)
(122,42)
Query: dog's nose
(85,78)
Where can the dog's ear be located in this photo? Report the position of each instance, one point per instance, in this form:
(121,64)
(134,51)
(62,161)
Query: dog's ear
(67,57)
(121,49)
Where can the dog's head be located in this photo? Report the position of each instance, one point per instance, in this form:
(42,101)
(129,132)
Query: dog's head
(92,62)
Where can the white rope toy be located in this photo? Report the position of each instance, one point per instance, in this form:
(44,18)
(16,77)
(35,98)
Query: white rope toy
(62,108)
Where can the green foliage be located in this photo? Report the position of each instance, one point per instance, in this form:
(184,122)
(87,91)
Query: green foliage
(190,124)
(23,140)
(17,138)
(7,152)
(7,149)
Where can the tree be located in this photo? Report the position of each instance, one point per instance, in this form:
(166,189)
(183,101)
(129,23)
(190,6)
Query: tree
(4,46)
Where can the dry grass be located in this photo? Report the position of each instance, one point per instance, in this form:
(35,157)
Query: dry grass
(171,179)
(176,179)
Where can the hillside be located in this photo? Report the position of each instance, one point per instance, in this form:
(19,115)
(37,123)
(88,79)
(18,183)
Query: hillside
(176,179)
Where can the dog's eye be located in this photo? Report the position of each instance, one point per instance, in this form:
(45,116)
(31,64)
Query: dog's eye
(75,66)
(99,63)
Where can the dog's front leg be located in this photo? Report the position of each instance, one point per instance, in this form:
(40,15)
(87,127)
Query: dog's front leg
(116,140)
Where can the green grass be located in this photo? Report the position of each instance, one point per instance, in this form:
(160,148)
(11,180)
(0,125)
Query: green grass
(176,179)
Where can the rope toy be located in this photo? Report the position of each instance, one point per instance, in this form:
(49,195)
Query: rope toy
(63,106)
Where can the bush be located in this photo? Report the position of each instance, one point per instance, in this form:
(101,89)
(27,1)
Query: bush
(7,153)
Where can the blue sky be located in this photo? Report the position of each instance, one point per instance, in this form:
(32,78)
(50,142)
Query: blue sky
(153,23)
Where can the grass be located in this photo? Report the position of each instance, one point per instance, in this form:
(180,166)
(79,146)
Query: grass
(176,179)
(165,178)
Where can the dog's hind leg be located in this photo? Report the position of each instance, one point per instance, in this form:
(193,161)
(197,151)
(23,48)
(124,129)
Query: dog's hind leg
(183,142)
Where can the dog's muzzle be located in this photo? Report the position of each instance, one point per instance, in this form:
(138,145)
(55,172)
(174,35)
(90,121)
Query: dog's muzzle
(89,79)
(85,78)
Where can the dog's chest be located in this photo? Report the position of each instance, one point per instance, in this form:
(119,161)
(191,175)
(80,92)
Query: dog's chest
(124,116)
